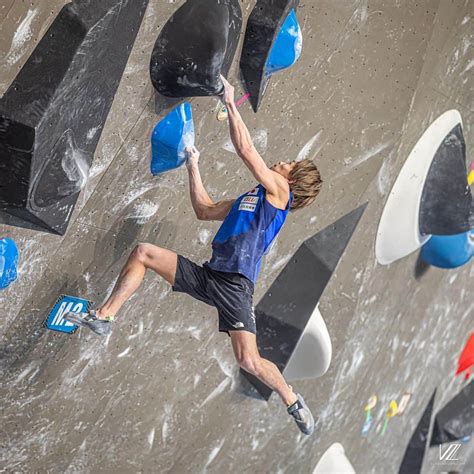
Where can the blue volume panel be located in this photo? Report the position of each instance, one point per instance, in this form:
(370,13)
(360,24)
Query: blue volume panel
(170,137)
(287,46)
(8,262)
(66,304)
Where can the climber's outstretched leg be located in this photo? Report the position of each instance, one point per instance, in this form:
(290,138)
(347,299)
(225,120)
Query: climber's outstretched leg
(143,257)
(246,353)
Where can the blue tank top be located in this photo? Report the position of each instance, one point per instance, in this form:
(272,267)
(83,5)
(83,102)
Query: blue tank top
(246,234)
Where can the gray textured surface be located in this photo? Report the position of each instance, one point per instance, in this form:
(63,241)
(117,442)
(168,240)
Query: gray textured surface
(163,394)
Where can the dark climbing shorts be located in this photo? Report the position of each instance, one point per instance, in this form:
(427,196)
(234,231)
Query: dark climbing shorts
(230,293)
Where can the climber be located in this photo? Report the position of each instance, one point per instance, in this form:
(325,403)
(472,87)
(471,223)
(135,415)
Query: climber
(250,224)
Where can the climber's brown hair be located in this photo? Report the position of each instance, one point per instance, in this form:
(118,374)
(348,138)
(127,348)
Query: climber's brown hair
(305,182)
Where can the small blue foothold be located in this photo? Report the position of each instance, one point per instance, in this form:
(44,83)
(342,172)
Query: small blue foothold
(66,304)
(449,251)
(287,46)
(8,262)
(170,137)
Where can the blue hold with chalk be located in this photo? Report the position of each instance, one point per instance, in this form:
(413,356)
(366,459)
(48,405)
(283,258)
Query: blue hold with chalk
(287,46)
(8,262)
(170,137)
(449,251)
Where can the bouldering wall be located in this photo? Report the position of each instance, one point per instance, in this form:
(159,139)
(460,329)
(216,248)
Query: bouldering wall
(163,393)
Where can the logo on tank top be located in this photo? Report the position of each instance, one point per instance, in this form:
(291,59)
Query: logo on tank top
(254,192)
(248,203)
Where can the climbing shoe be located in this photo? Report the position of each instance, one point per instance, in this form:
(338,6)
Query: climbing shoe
(302,415)
(89,320)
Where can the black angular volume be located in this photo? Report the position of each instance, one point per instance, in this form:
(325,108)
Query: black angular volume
(455,421)
(195,46)
(446,202)
(52,115)
(263,26)
(284,311)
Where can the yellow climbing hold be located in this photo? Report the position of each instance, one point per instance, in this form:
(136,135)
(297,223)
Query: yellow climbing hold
(392,409)
(222,113)
(470,177)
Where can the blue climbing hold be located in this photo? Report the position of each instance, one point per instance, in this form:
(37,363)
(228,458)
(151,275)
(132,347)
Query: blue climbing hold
(8,262)
(449,251)
(287,46)
(170,137)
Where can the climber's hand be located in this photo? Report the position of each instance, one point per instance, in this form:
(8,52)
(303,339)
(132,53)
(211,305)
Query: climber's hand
(192,156)
(228,95)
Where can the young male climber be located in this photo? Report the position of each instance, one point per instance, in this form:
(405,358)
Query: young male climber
(250,224)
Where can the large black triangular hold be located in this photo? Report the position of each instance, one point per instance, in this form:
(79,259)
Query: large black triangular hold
(196,45)
(415,451)
(446,199)
(52,115)
(263,26)
(284,311)
(455,420)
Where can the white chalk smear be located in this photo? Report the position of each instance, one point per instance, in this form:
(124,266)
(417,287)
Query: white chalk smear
(383,178)
(214,453)
(151,437)
(138,333)
(260,140)
(75,165)
(26,372)
(362,12)
(204,236)
(165,428)
(217,391)
(124,353)
(22,35)
(91,133)
(367,155)
(142,212)
(468,67)
(305,151)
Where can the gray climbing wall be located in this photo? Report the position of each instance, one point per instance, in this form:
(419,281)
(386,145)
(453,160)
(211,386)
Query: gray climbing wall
(163,393)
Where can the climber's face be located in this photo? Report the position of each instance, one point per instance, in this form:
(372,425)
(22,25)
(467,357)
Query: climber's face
(283,168)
